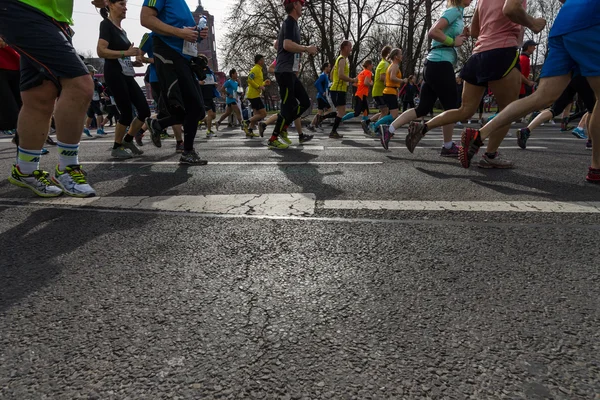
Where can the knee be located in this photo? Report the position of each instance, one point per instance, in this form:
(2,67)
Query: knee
(80,89)
(143,112)
(126,117)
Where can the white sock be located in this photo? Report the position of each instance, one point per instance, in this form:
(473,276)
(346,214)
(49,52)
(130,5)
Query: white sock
(391,129)
(448,145)
(28,160)
(68,154)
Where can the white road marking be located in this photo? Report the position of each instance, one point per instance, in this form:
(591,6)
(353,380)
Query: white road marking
(477,206)
(124,162)
(350,147)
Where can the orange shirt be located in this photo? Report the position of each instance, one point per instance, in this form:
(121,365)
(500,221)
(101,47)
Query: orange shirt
(362,89)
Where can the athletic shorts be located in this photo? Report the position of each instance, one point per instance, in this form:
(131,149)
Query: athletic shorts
(230,105)
(322,104)
(45,45)
(257,104)
(579,50)
(489,66)
(391,101)
(338,98)
(380,102)
(94,109)
(209,104)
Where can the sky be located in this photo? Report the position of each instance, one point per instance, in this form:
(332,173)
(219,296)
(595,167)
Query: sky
(87,22)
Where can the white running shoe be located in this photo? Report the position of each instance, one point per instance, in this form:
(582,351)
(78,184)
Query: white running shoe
(37,182)
(73,181)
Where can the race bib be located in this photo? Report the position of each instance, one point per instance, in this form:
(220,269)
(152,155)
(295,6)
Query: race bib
(210,79)
(112,101)
(95,96)
(127,66)
(296,66)
(190,49)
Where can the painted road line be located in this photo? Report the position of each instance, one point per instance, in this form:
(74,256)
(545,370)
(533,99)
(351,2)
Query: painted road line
(350,147)
(473,206)
(236,163)
(287,204)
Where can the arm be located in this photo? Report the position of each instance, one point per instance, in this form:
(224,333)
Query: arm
(104,52)
(475,24)
(272,67)
(393,73)
(149,19)
(341,75)
(368,81)
(513,10)
(252,82)
(437,31)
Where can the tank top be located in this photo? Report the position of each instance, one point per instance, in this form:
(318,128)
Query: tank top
(339,85)
(391,87)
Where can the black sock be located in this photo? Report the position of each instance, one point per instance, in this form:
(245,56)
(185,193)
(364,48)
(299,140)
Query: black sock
(179,141)
(332,114)
(336,124)
(116,145)
(425,129)
(141,131)
(491,155)
(128,138)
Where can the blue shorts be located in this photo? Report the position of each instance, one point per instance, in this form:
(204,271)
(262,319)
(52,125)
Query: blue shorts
(579,50)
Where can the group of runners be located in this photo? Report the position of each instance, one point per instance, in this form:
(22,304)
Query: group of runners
(56,84)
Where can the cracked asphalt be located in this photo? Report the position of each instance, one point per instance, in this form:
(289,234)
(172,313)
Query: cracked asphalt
(107,303)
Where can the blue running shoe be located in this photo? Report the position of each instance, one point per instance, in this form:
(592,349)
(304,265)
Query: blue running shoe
(87,132)
(100,132)
(579,133)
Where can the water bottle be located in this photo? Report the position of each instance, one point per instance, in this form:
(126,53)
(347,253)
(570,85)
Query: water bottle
(202,23)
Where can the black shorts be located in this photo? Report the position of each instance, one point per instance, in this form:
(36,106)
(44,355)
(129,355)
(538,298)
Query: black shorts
(209,104)
(380,102)
(322,104)
(391,101)
(45,45)
(94,109)
(338,98)
(257,104)
(489,66)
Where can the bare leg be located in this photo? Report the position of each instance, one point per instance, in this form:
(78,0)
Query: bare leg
(71,107)
(471,97)
(506,91)
(594,123)
(542,117)
(178,131)
(35,114)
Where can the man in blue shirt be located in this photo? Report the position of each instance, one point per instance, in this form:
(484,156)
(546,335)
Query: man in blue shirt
(231,99)
(322,85)
(574,43)
(175,55)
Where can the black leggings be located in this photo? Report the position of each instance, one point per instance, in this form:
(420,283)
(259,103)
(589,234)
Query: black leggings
(11,99)
(438,82)
(578,85)
(361,104)
(407,105)
(126,92)
(294,99)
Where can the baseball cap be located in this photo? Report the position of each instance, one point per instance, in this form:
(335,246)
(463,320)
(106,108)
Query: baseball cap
(529,43)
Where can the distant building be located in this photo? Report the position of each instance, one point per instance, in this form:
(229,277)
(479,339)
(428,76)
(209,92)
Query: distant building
(208,46)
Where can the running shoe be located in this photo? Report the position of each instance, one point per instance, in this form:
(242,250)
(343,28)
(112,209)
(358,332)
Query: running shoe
(251,134)
(155,131)
(45,151)
(565,127)
(210,134)
(37,182)
(73,181)
(552,122)
(138,139)
(9,132)
(179,147)
(579,133)
(593,175)
(451,152)
(305,138)
(191,158)
(121,152)
(261,128)
(470,144)
(310,127)
(246,127)
(283,135)
(365,126)
(50,141)
(496,162)
(165,135)
(416,132)
(217,125)
(100,132)
(335,135)
(588,145)
(277,145)
(133,148)
(522,136)
(87,133)
(385,136)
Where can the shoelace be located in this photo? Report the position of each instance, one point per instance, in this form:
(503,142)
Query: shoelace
(77,175)
(42,177)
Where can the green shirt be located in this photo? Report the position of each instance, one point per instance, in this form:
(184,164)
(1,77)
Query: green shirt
(60,10)
(456,24)
(378,85)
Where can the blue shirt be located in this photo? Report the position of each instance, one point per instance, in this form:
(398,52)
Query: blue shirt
(456,24)
(175,13)
(576,15)
(231,88)
(322,85)
(146,47)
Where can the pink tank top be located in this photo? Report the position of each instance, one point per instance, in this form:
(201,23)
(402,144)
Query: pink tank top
(497,31)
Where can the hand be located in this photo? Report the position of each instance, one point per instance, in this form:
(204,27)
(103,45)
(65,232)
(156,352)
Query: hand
(132,51)
(261,88)
(188,34)
(459,40)
(201,82)
(467,31)
(137,64)
(538,25)
(312,50)
(99,3)
(530,83)
(2,43)
(203,33)
(267,82)
(139,59)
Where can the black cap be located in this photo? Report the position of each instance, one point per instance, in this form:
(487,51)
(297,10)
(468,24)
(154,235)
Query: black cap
(529,43)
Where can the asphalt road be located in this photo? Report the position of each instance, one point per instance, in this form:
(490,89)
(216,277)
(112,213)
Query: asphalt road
(305,274)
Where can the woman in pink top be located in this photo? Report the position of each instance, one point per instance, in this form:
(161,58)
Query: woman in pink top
(498,27)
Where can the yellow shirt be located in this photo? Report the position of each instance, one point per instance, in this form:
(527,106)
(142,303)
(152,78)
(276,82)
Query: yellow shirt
(391,87)
(339,85)
(255,81)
